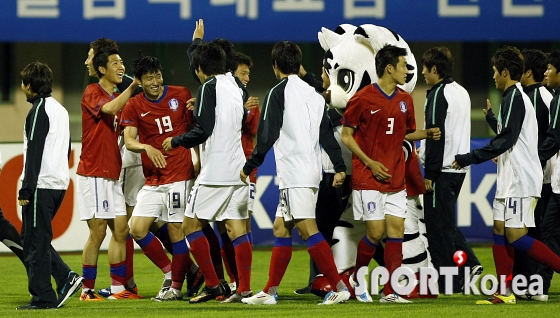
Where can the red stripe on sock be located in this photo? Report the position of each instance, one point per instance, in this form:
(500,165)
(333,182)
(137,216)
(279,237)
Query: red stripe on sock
(364,254)
(201,253)
(154,251)
(281,256)
(129,258)
(393,260)
(545,255)
(503,261)
(243,260)
(321,254)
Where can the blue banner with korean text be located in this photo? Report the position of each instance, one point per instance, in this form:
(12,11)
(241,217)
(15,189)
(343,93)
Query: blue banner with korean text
(274,20)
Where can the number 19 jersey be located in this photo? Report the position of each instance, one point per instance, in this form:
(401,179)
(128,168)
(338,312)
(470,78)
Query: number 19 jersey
(156,120)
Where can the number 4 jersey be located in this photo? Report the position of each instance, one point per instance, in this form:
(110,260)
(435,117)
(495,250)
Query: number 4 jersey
(156,120)
(380,123)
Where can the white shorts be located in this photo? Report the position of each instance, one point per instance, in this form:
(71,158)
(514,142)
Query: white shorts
(252,190)
(371,205)
(297,204)
(132,180)
(515,212)
(165,202)
(218,203)
(99,198)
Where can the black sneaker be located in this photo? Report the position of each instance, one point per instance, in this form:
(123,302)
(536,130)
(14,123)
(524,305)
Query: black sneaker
(72,284)
(194,282)
(303,291)
(32,307)
(208,294)
(227,292)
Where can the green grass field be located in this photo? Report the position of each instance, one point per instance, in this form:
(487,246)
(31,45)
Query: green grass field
(13,293)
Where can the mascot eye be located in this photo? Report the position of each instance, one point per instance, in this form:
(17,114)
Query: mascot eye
(345,79)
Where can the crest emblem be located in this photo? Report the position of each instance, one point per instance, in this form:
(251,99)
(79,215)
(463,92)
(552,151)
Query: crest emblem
(402,104)
(173,104)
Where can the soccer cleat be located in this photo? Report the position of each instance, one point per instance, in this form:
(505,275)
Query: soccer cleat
(233,287)
(105,292)
(168,294)
(72,284)
(194,282)
(261,298)
(476,270)
(227,292)
(236,298)
(394,298)
(208,294)
(333,297)
(303,291)
(90,295)
(33,307)
(125,294)
(538,297)
(364,297)
(497,299)
(166,282)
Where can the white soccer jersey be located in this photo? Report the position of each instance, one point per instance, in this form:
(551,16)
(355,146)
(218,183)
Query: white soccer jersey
(519,170)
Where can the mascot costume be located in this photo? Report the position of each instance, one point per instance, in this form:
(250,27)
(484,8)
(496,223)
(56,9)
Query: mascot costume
(349,63)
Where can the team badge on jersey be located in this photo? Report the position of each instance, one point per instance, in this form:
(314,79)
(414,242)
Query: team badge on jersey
(173,104)
(402,104)
(371,207)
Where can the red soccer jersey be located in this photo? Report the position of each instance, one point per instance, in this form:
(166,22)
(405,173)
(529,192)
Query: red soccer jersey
(381,122)
(248,133)
(100,155)
(156,120)
(414,180)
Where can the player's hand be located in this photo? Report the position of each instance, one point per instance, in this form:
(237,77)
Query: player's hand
(488,107)
(156,156)
(455,165)
(252,102)
(167,144)
(428,184)
(190,103)
(339,179)
(378,170)
(23,202)
(434,133)
(243,177)
(198,30)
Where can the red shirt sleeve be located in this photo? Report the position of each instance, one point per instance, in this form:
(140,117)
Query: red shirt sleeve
(410,118)
(353,113)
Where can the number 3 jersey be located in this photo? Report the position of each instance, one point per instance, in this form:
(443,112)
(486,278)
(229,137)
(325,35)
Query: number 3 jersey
(380,123)
(157,120)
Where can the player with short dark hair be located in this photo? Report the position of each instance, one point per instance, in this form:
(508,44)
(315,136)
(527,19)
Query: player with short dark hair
(100,196)
(46,177)
(160,112)
(446,107)
(519,172)
(376,121)
(218,194)
(549,151)
(531,80)
(294,121)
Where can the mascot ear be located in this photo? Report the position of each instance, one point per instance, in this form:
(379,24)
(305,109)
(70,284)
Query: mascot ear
(329,39)
(374,36)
